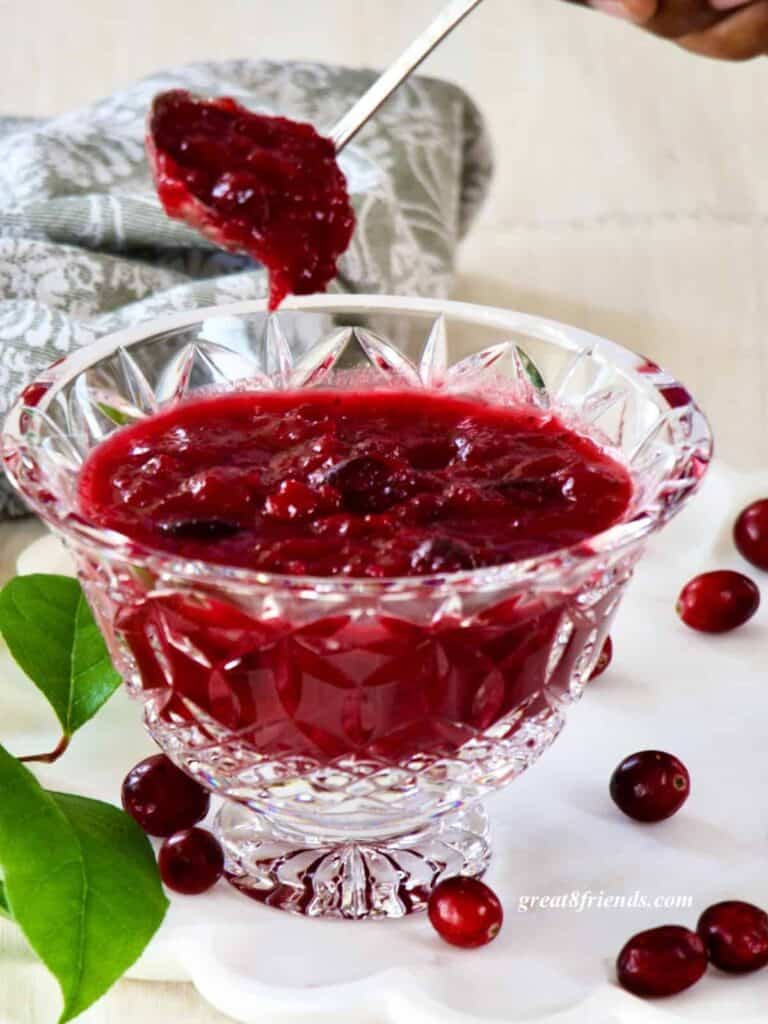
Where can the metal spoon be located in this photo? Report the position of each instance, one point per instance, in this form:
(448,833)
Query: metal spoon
(405,65)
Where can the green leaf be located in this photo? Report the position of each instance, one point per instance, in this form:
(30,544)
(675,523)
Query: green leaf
(121,418)
(80,881)
(531,370)
(50,631)
(3,902)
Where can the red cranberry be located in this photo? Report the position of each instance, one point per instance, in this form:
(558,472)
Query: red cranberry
(191,861)
(161,798)
(465,912)
(650,786)
(718,601)
(604,661)
(662,961)
(751,534)
(736,936)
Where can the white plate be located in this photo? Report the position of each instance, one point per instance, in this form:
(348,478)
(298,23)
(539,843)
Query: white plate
(555,832)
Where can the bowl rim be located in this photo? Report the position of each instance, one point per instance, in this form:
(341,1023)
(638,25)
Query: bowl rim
(119,547)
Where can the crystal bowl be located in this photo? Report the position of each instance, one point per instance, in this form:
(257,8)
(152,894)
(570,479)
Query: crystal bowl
(353,726)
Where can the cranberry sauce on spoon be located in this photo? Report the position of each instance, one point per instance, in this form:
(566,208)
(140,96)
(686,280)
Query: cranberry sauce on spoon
(376,484)
(267,186)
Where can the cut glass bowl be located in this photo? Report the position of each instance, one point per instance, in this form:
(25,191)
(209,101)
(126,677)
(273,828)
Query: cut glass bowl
(353,726)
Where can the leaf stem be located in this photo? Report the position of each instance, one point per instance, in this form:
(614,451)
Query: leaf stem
(51,756)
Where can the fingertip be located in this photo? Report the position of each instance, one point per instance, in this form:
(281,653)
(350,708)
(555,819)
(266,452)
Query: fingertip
(739,36)
(728,5)
(639,11)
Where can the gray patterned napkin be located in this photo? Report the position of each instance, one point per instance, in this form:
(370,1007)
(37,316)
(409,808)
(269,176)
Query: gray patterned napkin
(85,247)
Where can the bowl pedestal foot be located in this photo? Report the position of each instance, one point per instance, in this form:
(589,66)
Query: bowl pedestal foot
(365,879)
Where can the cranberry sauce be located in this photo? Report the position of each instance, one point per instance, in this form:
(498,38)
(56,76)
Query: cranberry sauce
(334,483)
(262,185)
(366,485)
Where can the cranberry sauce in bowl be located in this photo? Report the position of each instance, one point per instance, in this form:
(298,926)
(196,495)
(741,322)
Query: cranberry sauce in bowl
(357,484)
(377,484)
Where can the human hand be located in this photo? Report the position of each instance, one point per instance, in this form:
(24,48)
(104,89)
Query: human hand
(723,29)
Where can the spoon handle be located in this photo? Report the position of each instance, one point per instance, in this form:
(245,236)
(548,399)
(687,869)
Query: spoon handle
(396,74)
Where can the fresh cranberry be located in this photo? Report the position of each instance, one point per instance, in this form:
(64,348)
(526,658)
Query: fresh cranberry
(604,661)
(191,861)
(650,786)
(736,936)
(662,961)
(465,912)
(751,534)
(199,529)
(717,602)
(161,798)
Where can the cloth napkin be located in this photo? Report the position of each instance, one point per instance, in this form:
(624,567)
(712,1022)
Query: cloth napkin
(85,247)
